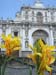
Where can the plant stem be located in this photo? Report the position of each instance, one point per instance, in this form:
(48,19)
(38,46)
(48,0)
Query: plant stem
(3,68)
(0,69)
(30,70)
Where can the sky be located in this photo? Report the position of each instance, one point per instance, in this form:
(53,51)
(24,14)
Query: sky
(8,8)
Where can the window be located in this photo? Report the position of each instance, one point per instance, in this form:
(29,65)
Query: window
(26,44)
(55,42)
(32,15)
(26,14)
(4,28)
(15,33)
(46,16)
(39,17)
(52,17)
(54,34)
(26,33)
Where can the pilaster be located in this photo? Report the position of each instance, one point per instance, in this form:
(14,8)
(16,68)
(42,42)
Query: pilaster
(51,36)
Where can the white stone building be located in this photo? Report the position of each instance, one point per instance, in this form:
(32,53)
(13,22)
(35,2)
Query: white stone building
(30,24)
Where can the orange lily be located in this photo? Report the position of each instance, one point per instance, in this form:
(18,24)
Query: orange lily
(11,44)
(46,57)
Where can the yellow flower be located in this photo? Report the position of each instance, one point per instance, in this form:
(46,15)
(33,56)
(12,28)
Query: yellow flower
(34,56)
(11,44)
(47,58)
(33,48)
(45,54)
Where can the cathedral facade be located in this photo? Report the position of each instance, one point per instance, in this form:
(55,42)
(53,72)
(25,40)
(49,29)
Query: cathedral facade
(31,23)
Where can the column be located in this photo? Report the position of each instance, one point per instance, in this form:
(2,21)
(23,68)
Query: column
(51,36)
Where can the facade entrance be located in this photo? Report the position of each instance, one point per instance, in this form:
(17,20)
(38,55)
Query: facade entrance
(40,34)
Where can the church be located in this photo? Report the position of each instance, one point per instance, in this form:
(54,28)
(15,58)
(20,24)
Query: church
(31,23)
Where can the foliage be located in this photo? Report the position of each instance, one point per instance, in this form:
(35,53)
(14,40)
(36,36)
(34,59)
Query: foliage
(42,56)
(11,44)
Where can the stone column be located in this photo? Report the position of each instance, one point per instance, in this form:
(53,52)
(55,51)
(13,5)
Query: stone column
(51,36)
(23,38)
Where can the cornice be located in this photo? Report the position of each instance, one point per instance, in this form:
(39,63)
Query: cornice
(26,23)
(33,8)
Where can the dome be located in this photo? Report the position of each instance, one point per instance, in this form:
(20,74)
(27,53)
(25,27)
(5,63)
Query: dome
(38,4)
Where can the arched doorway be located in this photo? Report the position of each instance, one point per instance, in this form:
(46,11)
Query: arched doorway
(40,34)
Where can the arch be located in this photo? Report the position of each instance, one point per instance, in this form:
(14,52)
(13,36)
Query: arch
(37,29)
(39,14)
(40,34)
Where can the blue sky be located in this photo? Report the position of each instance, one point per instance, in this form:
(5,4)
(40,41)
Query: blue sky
(8,8)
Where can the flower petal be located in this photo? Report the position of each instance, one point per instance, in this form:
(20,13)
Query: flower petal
(39,54)
(52,60)
(16,48)
(48,68)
